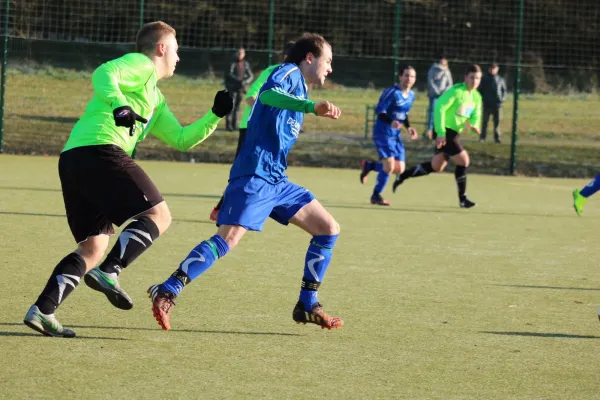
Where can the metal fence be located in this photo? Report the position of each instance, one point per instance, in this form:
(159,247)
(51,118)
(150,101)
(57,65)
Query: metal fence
(542,46)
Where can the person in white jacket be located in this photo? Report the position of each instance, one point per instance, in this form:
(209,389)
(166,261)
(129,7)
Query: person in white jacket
(439,79)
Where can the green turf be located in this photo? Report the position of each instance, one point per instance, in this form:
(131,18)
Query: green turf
(497,302)
(558,133)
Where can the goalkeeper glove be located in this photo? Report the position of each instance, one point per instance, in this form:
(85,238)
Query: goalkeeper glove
(125,116)
(223,104)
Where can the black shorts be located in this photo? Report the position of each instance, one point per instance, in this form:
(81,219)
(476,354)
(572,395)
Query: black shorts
(103,186)
(452,146)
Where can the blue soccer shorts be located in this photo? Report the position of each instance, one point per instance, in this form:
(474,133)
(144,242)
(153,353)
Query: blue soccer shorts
(249,201)
(390,147)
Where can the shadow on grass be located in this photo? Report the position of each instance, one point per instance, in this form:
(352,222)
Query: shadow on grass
(39,335)
(449,210)
(62,120)
(144,329)
(543,335)
(549,287)
(194,221)
(193,195)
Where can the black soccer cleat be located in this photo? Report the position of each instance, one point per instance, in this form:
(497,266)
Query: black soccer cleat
(364,171)
(466,203)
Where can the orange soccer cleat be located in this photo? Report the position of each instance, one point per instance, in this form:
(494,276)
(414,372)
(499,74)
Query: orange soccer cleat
(316,316)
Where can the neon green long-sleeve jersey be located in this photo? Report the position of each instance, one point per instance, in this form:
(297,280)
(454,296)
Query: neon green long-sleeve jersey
(253,92)
(455,107)
(131,81)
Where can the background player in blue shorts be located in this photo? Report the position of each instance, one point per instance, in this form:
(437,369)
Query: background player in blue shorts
(392,112)
(259,188)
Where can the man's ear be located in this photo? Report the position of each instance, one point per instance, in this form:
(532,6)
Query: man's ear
(161,49)
(310,58)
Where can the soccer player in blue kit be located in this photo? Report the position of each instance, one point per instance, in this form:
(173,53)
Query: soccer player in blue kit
(259,188)
(392,112)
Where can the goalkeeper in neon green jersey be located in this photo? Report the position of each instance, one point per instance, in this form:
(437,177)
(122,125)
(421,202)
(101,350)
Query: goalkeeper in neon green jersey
(453,109)
(250,99)
(101,183)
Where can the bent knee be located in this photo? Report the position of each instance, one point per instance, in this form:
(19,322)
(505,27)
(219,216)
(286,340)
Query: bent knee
(332,228)
(91,252)
(161,216)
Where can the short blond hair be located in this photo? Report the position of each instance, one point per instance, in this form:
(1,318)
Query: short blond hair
(150,35)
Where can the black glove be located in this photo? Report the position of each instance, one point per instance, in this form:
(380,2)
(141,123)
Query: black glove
(125,116)
(223,104)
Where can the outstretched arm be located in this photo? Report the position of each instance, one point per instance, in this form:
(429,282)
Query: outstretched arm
(168,129)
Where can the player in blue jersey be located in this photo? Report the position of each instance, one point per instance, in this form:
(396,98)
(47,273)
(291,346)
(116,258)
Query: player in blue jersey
(392,112)
(580,196)
(259,188)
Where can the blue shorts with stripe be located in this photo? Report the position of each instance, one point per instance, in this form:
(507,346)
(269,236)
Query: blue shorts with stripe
(248,201)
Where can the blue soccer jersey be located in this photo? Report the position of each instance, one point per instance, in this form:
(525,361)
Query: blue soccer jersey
(271,131)
(393,103)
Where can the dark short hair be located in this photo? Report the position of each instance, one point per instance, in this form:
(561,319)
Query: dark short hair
(308,43)
(150,35)
(494,65)
(472,68)
(287,48)
(404,68)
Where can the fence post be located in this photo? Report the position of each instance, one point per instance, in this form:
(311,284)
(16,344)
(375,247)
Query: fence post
(397,39)
(367,107)
(141,13)
(271,30)
(4,63)
(517,90)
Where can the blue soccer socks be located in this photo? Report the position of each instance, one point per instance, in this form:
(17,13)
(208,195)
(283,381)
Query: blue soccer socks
(318,257)
(591,187)
(201,258)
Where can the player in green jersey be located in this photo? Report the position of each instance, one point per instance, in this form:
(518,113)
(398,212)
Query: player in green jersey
(101,183)
(250,99)
(453,109)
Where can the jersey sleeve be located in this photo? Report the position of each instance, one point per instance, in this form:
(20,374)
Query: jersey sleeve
(276,92)
(259,82)
(442,104)
(386,99)
(125,74)
(475,119)
(168,129)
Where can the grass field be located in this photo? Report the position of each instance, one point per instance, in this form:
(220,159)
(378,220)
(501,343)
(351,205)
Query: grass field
(497,302)
(558,133)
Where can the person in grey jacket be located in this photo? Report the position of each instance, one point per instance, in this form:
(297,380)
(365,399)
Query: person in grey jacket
(439,79)
(493,93)
(237,81)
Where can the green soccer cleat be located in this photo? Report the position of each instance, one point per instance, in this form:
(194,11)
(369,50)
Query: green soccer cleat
(109,285)
(578,202)
(46,324)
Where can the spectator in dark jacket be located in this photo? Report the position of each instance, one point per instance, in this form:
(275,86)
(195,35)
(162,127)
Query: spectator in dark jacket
(237,81)
(439,79)
(493,93)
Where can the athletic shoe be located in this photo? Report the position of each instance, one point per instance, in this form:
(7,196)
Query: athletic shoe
(397,182)
(364,171)
(316,316)
(109,285)
(46,324)
(214,214)
(162,303)
(578,202)
(466,203)
(378,200)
